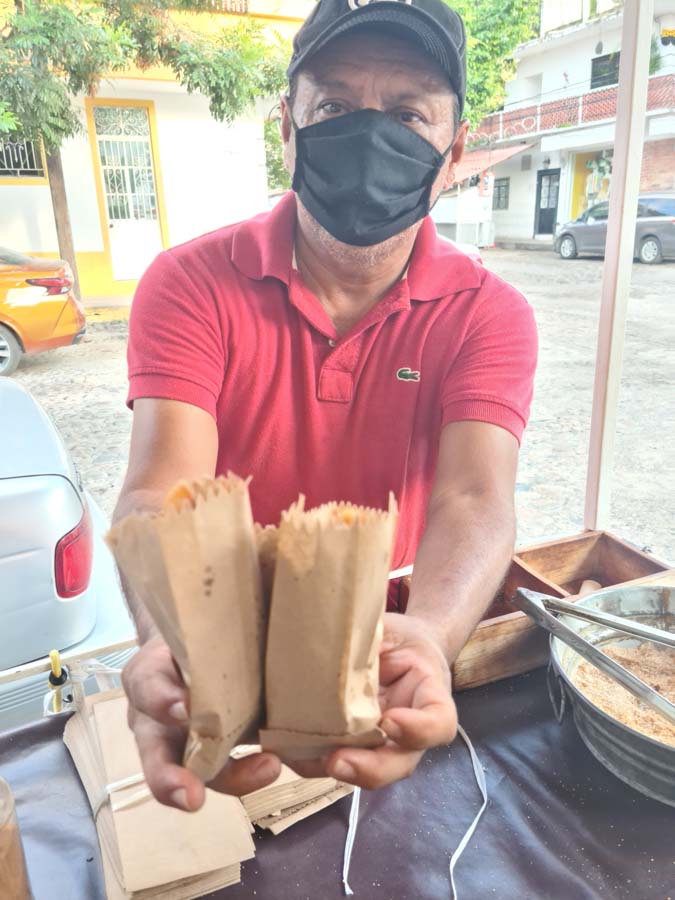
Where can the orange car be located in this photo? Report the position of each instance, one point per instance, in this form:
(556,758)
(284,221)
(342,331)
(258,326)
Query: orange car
(38,309)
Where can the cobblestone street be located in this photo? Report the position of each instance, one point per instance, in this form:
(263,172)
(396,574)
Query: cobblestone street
(83,389)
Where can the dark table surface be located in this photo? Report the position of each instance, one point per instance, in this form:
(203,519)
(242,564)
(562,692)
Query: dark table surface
(558,825)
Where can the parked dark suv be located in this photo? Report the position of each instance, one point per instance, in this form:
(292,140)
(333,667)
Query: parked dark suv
(654,233)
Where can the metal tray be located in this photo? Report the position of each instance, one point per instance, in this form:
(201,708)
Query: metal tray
(643,763)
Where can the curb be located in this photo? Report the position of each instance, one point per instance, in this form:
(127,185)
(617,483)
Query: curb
(107,314)
(523,245)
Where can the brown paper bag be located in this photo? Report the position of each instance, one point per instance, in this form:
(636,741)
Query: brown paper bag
(188,854)
(325,628)
(195,567)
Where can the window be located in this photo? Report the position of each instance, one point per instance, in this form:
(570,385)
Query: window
(20,159)
(657,206)
(500,197)
(605,70)
(598,213)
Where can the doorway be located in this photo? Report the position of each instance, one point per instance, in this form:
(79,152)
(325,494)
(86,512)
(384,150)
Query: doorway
(129,187)
(546,209)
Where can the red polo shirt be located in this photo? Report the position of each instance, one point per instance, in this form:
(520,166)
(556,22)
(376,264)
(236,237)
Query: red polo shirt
(224,322)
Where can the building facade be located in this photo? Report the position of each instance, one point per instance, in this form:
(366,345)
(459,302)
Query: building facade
(151,168)
(548,152)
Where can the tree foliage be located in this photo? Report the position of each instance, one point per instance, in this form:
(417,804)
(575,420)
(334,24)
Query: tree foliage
(278,178)
(494,29)
(8,121)
(48,54)
(53,50)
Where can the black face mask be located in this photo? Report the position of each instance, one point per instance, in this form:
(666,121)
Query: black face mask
(365,177)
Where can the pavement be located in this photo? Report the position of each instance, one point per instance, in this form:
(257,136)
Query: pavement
(83,389)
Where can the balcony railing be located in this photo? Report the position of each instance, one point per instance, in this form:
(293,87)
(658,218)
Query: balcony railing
(567,112)
(229,6)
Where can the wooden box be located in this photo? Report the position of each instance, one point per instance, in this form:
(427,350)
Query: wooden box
(507,642)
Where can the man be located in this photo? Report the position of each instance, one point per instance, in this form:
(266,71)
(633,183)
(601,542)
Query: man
(337,347)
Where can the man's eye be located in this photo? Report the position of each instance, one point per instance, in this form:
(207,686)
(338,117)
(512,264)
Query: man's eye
(332,108)
(409,118)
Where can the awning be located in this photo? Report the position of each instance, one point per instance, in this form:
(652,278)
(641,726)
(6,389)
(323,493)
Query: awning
(477,161)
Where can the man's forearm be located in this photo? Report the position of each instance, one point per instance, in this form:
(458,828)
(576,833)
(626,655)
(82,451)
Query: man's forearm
(460,564)
(140,501)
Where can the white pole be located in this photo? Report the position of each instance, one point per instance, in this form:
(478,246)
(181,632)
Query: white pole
(631,107)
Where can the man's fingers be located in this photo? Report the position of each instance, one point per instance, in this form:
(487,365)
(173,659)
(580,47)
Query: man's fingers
(371,769)
(420,729)
(155,689)
(309,768)
(160,748)
(243,776)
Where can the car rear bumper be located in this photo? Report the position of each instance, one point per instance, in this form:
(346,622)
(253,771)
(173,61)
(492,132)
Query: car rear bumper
(80,334)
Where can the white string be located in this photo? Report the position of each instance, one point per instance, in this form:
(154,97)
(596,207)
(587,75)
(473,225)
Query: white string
(482,785)
(351,837)
(354,821)
(135,798)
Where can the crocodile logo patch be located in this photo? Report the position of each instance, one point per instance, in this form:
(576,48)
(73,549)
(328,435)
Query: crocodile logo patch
(407,374)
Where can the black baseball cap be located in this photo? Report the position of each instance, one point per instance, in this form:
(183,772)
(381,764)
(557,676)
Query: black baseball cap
(431,23)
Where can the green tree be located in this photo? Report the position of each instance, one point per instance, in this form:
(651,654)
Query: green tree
(53,51)
(278,178)
(8,121)
(494,29)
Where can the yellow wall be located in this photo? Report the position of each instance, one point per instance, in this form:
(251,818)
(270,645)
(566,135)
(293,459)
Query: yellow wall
(579,185)
(583,182)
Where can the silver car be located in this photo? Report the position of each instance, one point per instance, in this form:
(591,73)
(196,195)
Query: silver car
(654,232)
(58,585)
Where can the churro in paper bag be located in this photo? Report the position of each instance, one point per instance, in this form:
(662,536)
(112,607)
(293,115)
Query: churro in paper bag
(325,629)
(267,541)
(195,568)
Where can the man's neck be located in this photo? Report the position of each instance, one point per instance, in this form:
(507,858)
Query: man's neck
(348,281)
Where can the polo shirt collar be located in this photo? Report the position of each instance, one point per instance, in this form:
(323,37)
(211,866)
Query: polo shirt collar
(438,268)
(262,247)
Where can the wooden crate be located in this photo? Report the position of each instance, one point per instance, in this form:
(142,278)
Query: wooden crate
(507,642)
(595,555)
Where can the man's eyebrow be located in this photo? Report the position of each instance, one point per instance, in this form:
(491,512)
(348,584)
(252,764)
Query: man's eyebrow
(335,84)
(413,96)
(329,83)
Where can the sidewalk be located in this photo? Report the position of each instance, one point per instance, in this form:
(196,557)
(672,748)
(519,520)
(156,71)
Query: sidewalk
(524,244)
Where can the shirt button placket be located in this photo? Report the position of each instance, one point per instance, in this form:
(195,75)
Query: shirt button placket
(336,379)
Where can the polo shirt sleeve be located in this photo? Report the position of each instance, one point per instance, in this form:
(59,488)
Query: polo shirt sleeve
(176,342)
(491,379)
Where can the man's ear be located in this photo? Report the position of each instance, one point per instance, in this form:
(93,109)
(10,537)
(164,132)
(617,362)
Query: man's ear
(285,124)
(456,153)
(286,128)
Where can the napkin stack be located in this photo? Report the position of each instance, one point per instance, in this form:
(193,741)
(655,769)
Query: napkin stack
(150,850)
(290,798)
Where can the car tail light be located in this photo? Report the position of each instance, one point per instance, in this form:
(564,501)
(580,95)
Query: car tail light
(55,285)
(73,559)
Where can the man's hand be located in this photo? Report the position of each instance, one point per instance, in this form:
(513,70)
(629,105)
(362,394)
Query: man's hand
(158,716)
(418,711)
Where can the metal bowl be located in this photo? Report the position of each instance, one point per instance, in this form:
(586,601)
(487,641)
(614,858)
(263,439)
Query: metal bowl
(643,763)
